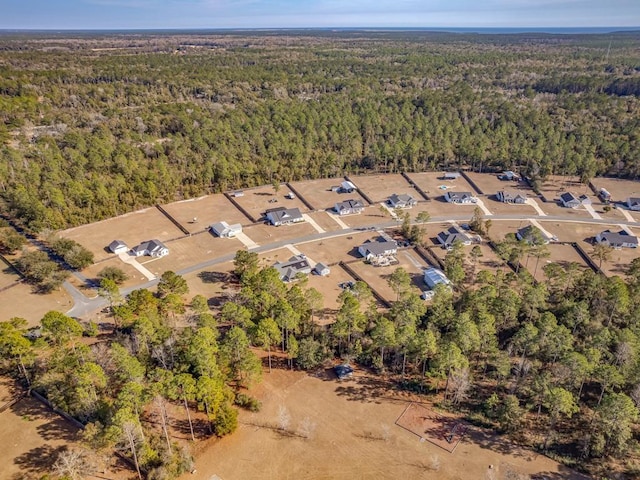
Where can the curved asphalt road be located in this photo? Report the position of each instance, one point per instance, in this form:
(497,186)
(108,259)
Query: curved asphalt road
(84,305)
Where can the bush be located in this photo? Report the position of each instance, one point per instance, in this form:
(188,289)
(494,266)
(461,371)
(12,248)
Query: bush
(113,273)
(226,421)
(248,402)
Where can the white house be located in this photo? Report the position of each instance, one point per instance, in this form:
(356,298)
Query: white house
(633,203)
(511,197)
(401,201)
(283,216)
(434,276)
(224,230)
(349,207)
(460,197)
(619,239)
(453,234)
(152,248)
(378,250)
(118,246)
(321,269)
(295,265)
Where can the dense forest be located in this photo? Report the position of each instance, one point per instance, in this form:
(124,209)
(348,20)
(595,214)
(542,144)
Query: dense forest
(92,126)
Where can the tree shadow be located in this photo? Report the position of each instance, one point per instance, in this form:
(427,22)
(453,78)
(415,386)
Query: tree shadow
(215,277)
(55,428)
(37,461)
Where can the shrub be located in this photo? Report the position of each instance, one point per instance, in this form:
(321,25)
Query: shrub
(248,402)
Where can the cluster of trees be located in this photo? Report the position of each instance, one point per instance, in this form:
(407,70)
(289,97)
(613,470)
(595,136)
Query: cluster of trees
(87,136)
(120,386)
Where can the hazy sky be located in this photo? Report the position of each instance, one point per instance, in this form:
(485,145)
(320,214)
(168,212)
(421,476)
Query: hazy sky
(92,14)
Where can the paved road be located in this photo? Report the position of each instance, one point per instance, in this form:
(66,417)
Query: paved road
(84,305)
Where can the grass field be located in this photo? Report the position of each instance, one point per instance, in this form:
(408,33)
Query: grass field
(207,210)
(318,192)
(489,183)
(20,301)
(380,187)
(131,228)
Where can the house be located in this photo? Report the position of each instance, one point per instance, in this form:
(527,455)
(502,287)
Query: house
(509,175)
(453,234)
(569,200)
(118,246)
(633,203)
(321,269)
(460,197)
(378,250)
(617,239)
(533,235)
(347,187)
(511,197)
(451,175)
(283,216)
(349,207)
(295,265)
(152,248)
(434,276)
(224,230)
(401,201)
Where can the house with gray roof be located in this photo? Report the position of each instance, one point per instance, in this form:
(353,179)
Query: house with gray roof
(451,175)
(532,235)
(621,239)
(509,175)
(460,197)
(224,230)
(448,237)
(347,187)
(511,197)
(153,248)
(401,201)
(349,207)
(118,246)
(321,269)
(284,216)
(375,251)
(292,267)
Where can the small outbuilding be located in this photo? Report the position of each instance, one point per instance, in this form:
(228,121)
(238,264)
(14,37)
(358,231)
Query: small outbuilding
(118,246)
(509,175)
(343,371)
(347,187)
(633,203)
(434,276)
(451,175)
(321,269)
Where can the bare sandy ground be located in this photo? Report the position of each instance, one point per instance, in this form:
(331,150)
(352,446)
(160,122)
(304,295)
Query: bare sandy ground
(353,436)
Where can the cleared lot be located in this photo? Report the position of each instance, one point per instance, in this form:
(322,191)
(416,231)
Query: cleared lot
(131,228)
(191,251)
(319,194)
(256,200)
(20,301)
(333,250)
(264,234)
(354,436)
(380,187)
(206,210)
(135,277)
(371,215)
(489,183)
(324,221)
(434,185)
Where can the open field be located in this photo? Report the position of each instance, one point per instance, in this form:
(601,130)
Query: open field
(324,221)
(431,183)
(131,228)
(191,251)
(488,261)
(264,234)
(91,272)
(212,283)
(328,287)
(256,200)
(20,301)
(353,435)
(32,438)
(380,187)
(318,192)
(207,210)
(558,253)
(500,228)
(489,183)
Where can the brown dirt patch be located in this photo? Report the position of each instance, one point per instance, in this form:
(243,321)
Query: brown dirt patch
(333,250)
(20,301)
(318,192)
(131,228)
(489,183)
(371,215)
(443,430)
(208,210)
(325,221)
(8,276)
(264,234)
(380,187)
(91,272)
(430,183)
(354,437)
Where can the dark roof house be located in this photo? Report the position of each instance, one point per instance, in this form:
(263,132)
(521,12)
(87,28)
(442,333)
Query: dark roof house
(376,250)
(283,216)
(349,207)
(617,239)
(401,201)
(153,248)
(453,234)
(460,197)
(292,267)
(511,197)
